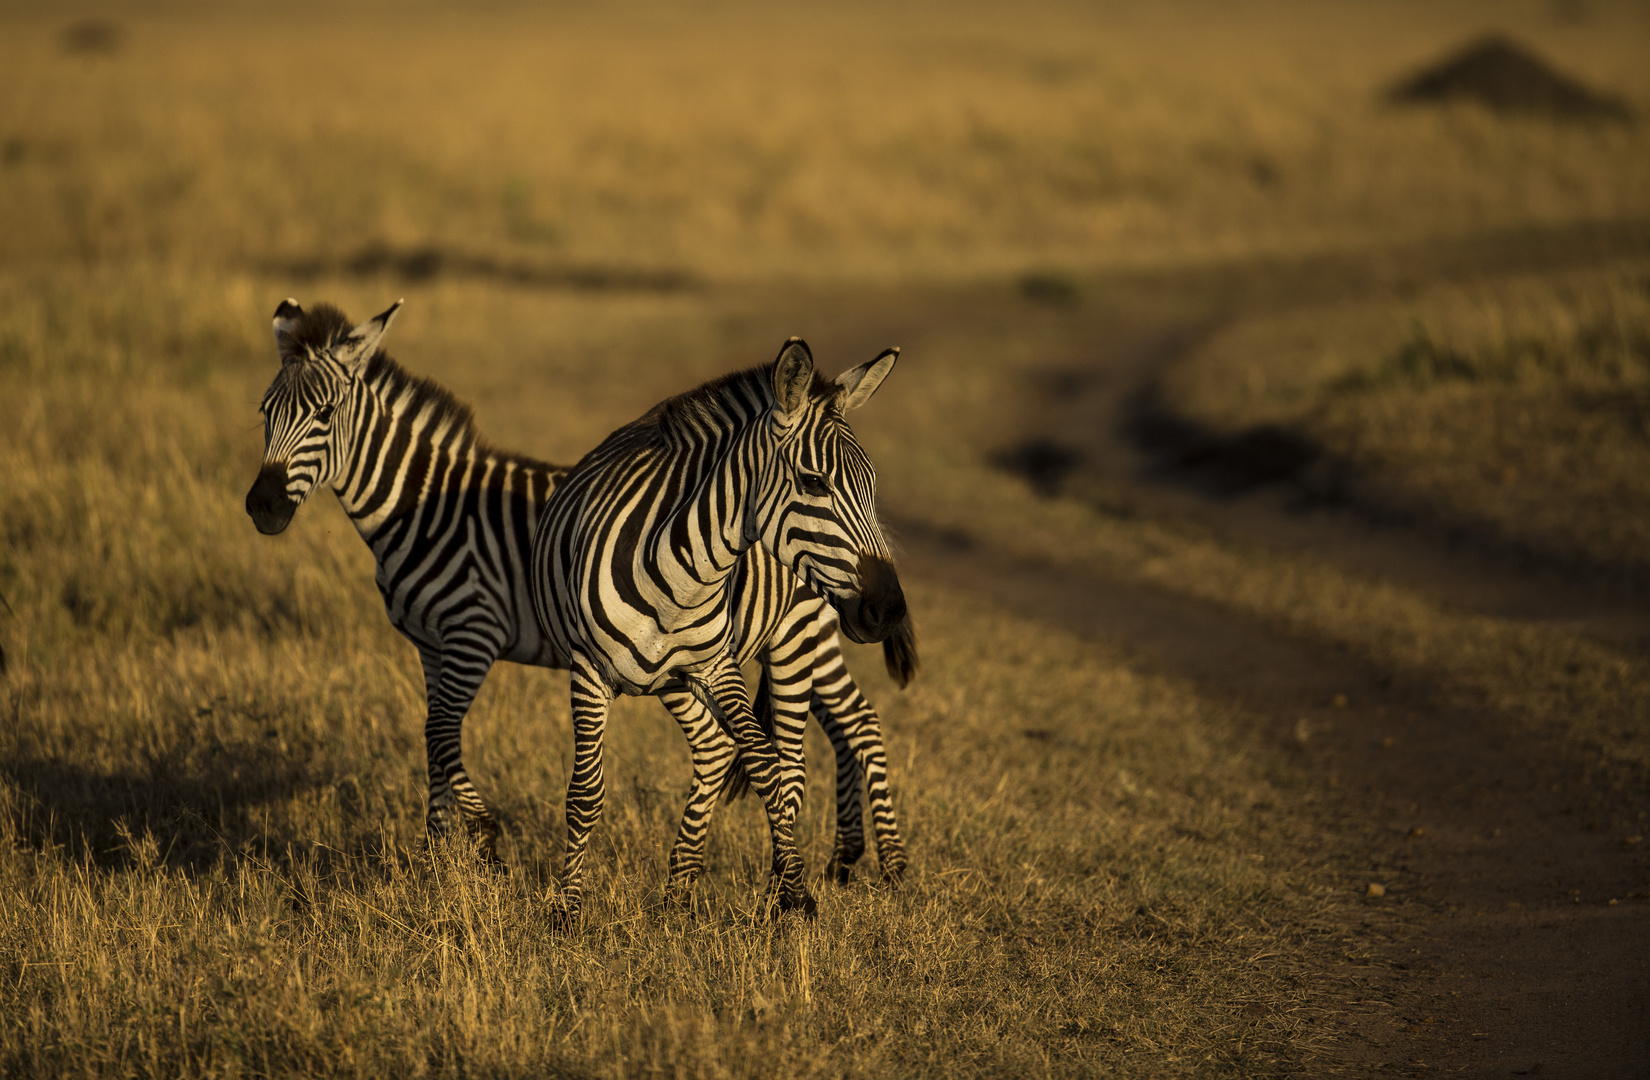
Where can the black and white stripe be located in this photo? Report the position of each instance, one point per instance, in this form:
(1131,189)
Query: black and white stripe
(636,578)
(450,522)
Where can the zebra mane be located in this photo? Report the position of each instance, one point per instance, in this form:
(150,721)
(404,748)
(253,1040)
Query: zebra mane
(732,398)
(316,330)
(420,396)
(324,326)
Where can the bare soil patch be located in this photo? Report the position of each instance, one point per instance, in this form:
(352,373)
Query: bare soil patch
(1512,925)
(1505,77)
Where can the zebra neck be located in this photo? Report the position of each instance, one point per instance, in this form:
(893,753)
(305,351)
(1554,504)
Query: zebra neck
(398,446)
(721,496)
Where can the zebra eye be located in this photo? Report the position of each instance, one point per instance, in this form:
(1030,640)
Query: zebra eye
(323,414)
(813,484)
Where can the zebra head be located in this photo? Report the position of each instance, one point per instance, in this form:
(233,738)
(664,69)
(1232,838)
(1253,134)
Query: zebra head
(308,421)
(816,511)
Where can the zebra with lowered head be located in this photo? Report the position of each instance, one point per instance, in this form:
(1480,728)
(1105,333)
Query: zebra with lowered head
(450,521)
(632,577)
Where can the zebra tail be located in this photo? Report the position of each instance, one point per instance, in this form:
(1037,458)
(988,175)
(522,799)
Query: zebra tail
(738,783)
(899,652)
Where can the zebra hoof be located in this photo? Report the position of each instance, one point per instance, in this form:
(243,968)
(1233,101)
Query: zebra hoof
(561,920)
(487,854)
(840,872)
(805,904)
(463,846)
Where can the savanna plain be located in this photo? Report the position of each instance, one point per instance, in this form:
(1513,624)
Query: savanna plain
(1271,463)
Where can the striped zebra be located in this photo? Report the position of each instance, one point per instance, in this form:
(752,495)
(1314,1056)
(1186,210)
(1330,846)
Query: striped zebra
(633,579)
(450,522)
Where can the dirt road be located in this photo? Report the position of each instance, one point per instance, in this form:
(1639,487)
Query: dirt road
(1512,936)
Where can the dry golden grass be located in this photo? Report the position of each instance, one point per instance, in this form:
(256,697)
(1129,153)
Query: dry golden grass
(213,797)
(751,142)
(252,906)
(211,773)
(1512,408)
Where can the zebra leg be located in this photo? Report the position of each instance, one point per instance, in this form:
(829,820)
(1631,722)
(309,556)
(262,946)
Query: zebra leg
(438,813)
(786,689)
(850,813)
(592,697)
(806,652)
(725,685)
(839,703)
(452,678)
(714,751)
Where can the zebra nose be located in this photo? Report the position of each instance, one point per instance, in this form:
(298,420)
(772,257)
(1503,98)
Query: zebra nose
(883,614)
(881,600)
(267,503)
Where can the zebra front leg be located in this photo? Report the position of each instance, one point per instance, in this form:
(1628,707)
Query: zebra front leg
(452,678)
(784,692)
(714,752)
(843,706)
(592,697)
(850,814)
(820,679)
(724,688)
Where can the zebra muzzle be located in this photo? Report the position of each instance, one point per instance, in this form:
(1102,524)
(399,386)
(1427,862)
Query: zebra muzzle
(267,503)
(880,606)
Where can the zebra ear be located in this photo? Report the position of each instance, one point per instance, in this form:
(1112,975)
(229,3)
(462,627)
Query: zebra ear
(793,376)
(286,321)
(858,384)
(363,341)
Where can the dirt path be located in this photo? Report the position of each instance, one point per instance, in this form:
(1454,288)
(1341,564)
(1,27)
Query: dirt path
(1514,934)
(1500,949)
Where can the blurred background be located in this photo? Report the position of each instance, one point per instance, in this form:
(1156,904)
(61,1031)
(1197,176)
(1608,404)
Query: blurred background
(735,143)
(525,174)
(1224,323)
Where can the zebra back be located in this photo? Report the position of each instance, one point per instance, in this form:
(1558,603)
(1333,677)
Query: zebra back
(632,557)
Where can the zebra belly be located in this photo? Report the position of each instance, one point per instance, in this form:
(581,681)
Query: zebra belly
(637,668)
(535,651)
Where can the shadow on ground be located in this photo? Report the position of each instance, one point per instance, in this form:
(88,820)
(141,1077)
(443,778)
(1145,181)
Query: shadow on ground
(197,812)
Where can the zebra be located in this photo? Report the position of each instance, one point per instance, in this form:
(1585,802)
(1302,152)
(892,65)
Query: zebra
(450,521)
(632,579)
